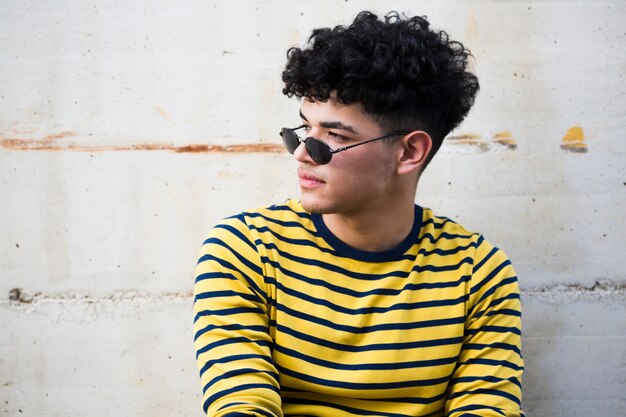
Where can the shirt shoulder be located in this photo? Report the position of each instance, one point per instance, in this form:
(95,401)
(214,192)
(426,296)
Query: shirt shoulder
(438,225)
(290,211)
(444,234)
(269,225)
(440,231)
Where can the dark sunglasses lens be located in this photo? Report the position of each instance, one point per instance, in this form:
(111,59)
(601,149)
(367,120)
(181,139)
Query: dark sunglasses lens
(290,140)
(318,150)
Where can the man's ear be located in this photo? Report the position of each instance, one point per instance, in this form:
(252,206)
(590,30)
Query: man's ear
(415,149)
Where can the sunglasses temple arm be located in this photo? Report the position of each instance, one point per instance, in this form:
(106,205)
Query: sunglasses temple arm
(367,141)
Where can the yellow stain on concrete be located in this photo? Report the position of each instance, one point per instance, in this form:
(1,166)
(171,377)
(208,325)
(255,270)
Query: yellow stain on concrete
(505,138)
(574,140)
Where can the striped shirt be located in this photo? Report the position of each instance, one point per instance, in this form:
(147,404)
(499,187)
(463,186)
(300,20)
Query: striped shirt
(291,321)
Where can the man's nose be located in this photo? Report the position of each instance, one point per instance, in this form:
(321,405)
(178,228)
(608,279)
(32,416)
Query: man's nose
(302,155)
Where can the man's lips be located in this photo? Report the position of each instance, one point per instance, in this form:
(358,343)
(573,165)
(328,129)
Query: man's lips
(309,180)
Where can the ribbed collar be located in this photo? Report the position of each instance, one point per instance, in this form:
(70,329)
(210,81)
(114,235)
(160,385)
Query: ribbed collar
(361,255)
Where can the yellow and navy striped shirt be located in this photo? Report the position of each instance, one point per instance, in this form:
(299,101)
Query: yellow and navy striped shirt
(291,321)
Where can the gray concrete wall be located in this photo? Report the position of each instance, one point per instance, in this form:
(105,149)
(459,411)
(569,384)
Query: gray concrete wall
(127,130)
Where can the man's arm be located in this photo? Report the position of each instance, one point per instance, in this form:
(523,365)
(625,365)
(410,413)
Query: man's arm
(487,379)
(233,347)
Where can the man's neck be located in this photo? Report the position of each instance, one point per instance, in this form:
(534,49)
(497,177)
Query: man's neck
(373,231)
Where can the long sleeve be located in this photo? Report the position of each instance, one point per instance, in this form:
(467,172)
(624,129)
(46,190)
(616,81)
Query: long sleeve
(232,343)
(487,379)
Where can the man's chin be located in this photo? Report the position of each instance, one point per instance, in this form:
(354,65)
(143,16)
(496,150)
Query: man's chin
(315,207)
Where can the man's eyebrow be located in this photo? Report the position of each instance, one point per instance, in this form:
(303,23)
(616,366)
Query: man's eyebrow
(332,125)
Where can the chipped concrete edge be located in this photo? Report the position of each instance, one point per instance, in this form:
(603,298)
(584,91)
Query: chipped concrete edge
(599,288)
(17,297)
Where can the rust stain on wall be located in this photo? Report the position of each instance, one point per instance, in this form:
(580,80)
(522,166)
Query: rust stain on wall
(162,113)
(52,143)
(574,140)
(505,138)
(62,142)
(239,148)
(60,135)
(471,140)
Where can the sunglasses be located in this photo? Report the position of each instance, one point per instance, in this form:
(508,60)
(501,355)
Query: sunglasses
(317,149)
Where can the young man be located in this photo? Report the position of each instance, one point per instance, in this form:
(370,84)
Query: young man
(354,301)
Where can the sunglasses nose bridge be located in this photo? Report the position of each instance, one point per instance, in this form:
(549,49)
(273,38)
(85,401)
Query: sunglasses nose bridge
(305,152)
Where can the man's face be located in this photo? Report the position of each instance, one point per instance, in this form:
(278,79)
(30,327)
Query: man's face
(358,179)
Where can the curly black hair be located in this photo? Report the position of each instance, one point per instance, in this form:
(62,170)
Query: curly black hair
(407,76)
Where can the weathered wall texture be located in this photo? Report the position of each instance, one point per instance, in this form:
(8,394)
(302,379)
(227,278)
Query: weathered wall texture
(128,129)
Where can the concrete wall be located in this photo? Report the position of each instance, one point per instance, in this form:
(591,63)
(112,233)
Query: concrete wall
(128,129)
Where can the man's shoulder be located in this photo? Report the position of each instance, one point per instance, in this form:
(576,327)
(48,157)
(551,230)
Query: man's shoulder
(439,226)
(443,232)
(289,213)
